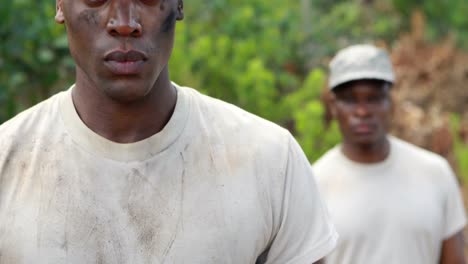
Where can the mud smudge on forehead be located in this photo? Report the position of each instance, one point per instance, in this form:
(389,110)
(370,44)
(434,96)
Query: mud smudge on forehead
(91,17)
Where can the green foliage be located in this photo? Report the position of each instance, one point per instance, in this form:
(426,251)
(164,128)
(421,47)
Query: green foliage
(240,54)
(460,149)
(33,54)
(443,17)
(337,24)
(314,136)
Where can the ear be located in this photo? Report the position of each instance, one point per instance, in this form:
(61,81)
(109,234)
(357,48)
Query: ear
(331,102)
(59,18)
(180,10)
(391,101)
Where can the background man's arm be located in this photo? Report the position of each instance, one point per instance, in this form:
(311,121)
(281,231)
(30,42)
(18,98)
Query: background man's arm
(452,250)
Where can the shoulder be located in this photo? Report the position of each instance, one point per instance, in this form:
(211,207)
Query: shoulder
(330,156)
(414,155)
(26,125)
(431,167)
(241,141)
(229,124)
(327,163)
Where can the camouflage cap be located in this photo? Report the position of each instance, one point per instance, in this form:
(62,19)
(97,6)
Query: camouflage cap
(360,62)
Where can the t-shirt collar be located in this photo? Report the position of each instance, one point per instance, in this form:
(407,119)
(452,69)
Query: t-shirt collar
(141,150)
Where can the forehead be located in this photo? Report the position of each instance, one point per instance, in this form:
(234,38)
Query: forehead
(362,87)
(117,4)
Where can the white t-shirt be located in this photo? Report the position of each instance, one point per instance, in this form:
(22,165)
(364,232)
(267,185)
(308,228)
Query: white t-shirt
(398,211)
(216,185)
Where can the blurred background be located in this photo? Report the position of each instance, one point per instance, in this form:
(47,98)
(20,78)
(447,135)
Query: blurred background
(270,58)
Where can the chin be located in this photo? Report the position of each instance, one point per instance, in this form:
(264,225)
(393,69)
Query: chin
(365,140)
(127,93)
(370,140)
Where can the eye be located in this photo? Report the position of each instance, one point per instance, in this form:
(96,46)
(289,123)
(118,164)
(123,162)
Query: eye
(375,99)
(150,2)
(347,98)
(95,3)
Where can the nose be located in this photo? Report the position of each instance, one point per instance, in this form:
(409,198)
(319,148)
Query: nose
(362,110)
(123,20)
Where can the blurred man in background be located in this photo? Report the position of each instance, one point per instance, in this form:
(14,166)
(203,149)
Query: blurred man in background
(391,202)
(128,167)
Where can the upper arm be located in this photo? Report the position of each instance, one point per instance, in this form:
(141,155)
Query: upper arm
(452,250)
(305,232)
(455,219)
(454,210)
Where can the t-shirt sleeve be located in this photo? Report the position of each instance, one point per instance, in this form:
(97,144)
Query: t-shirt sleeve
(455,215)
(305,233)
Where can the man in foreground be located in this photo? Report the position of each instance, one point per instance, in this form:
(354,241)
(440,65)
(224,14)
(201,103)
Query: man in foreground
(127,167)
(391,202)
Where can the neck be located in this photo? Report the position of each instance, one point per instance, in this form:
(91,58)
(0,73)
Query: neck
(125,122)
(367,153)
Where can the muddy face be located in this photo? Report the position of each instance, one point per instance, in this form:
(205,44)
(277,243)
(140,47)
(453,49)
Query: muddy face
(120,46)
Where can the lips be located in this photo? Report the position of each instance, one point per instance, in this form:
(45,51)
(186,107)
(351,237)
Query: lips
(363,128)
(125,62)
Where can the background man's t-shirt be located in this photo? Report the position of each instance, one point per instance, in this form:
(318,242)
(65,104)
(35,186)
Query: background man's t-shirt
(398,211)
(216,185)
